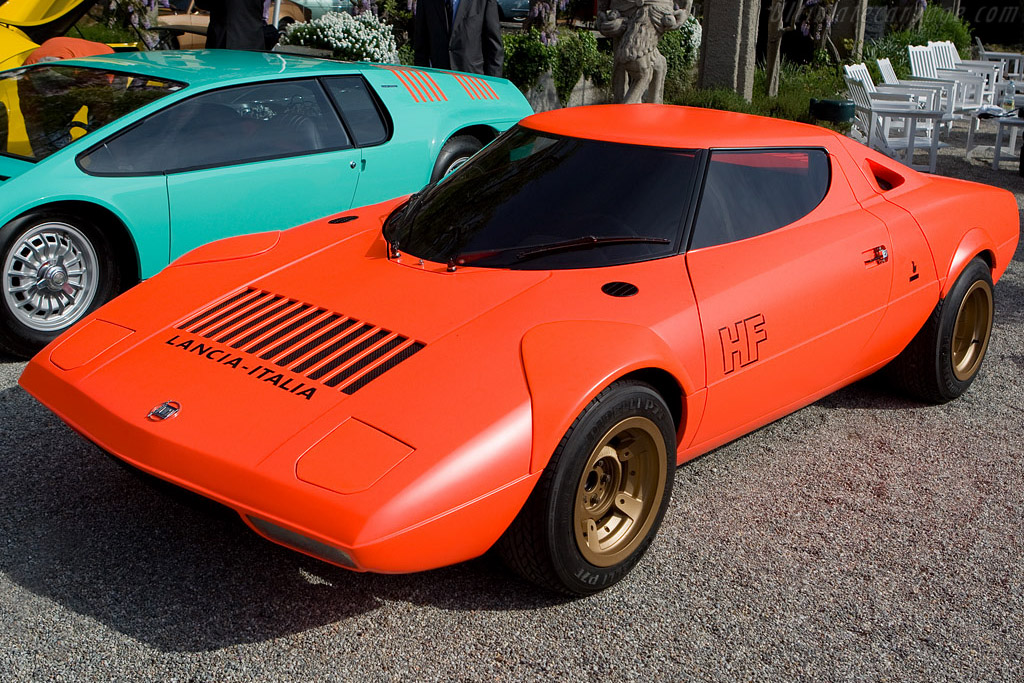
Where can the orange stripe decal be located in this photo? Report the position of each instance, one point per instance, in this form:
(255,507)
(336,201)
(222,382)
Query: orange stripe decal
(424,80)
(408,86)
(485,84)
(476,88)
(420,84)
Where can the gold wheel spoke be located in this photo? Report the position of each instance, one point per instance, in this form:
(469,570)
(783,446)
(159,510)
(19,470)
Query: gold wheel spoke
(629,506)
(590,533)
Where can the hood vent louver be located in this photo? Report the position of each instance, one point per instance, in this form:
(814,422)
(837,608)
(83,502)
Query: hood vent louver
(331,348)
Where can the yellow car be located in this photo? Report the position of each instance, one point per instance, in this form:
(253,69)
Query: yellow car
(26,23)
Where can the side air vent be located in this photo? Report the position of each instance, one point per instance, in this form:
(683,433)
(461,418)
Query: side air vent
(619,289)
(331,348)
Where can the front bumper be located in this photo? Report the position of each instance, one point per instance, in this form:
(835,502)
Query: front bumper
(369,530)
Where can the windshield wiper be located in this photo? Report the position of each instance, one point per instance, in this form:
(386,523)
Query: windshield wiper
(585,242)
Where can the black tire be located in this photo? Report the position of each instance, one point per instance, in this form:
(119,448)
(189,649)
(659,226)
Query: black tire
(24,328)
(454,153)
(554,541)
(943,359)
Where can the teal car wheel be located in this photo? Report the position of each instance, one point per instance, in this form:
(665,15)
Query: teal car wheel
(56,268)
(455,152)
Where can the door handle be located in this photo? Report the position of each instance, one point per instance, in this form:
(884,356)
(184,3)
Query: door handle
(877,256)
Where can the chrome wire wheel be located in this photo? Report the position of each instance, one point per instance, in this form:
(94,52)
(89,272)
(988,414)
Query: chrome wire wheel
(971,330)
(620,491)
(50,276)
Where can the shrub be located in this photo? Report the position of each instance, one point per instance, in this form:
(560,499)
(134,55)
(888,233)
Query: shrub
(526,58)
(359,38)
(936,25)
(680,49)
(574,55)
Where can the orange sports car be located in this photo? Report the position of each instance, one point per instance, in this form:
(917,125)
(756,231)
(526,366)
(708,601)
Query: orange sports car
(521,354)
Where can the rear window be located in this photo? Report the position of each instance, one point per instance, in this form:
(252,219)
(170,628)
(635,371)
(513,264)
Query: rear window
(49,106)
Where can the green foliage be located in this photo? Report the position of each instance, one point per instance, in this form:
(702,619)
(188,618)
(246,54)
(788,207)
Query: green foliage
(101,33)
(399,16)
(712,98)
(936,25)
(797,85)
(680,49)
(406,55)
(572,56)
(526,58)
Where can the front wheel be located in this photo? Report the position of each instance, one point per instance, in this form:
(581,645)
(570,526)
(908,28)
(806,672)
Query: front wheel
(944,358)
(602,496)
(56,268)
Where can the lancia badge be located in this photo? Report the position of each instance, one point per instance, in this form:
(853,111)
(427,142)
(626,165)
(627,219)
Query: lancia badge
(164,411)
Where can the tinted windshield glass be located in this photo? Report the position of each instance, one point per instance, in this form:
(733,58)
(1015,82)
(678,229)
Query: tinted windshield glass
(532,200)
(49,106)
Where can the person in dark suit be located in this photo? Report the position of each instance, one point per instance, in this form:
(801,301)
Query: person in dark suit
(463,35)
(234,24)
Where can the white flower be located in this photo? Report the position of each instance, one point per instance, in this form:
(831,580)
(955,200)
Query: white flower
(361,38)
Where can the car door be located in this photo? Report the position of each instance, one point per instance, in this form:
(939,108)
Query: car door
(791,279)
(256,157)
(389,168)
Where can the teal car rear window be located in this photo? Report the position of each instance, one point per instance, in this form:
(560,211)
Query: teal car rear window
(49,106)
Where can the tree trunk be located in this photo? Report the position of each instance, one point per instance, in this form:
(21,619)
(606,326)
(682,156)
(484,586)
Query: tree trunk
(774,56)
(859,30)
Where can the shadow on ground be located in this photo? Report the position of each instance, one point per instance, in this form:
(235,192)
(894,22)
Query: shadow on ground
(174,570)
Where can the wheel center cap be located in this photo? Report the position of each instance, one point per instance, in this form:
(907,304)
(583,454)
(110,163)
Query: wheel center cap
(53,277)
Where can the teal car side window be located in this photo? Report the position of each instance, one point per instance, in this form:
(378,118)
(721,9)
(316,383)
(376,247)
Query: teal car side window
(359,109)
(229,126)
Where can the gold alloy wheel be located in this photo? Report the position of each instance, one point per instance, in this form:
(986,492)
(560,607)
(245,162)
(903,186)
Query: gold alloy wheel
(971,330)
(620,491)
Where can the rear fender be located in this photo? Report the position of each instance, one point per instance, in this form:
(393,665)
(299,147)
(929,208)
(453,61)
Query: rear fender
(976,241)
(568,363)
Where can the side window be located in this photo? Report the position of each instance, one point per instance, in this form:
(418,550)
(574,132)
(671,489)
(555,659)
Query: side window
(223,127)
(361,114)
(750,193)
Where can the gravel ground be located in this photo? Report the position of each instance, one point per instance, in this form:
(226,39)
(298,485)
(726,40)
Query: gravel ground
(865,537)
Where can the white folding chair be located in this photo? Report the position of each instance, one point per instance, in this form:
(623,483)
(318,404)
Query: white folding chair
(947,57)
(896,128)
(968,88)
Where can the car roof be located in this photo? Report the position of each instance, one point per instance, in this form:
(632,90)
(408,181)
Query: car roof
(662,125)
(218,67)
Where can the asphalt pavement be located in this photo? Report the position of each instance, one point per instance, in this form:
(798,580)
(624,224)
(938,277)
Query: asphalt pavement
(863,538)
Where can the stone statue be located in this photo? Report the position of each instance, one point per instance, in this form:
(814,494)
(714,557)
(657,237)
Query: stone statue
(635,27)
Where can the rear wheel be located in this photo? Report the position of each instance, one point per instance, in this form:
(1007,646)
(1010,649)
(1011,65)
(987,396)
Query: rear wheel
(56,269)
(944,358)
(602,496)
(455,152)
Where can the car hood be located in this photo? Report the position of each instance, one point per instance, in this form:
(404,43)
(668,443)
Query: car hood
(275,341)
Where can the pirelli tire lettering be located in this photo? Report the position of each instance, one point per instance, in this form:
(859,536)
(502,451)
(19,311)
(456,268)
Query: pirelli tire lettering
(226,358)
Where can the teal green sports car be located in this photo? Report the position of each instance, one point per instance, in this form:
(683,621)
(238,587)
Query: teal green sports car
(111,167)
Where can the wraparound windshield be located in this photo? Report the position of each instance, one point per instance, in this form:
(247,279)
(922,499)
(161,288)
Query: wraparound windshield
(47,107)
(533,200)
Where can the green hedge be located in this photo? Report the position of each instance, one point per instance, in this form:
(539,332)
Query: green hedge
(936,25)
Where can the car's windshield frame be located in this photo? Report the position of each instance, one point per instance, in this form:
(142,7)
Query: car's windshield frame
(565,250)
